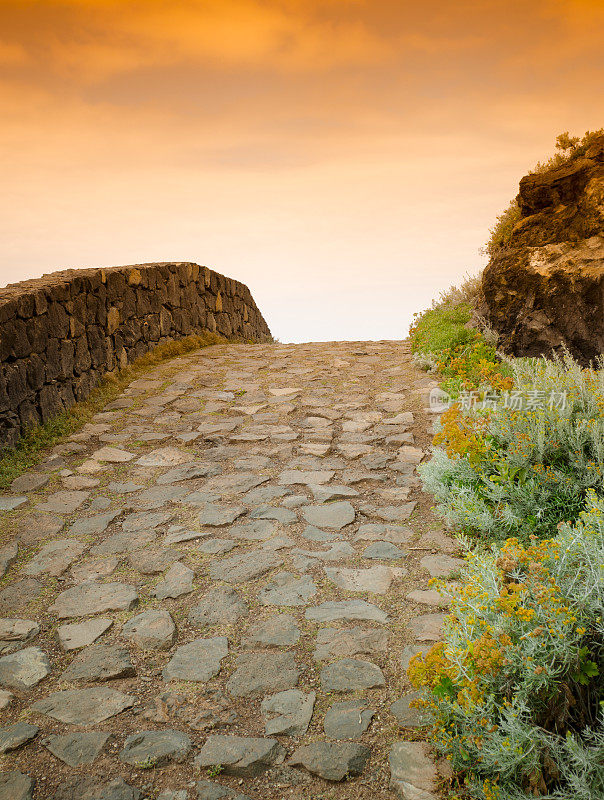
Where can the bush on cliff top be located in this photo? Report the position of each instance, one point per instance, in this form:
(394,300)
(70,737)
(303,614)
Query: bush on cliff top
(567,147)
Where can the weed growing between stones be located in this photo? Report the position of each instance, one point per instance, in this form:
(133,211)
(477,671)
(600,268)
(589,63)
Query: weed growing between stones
(515,689)
(30,449)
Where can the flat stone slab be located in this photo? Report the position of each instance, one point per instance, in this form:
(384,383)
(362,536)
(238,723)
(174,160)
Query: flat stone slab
(155,748)
(351,674)
(24,669)
(293,477)
(258,673)
(77,787)
(6,698)
(153,629)
(90,526)
(241,756)
(221,605)
(15,735)
(429,597)
(112,455)
(188,472)
(442,565)
(413,774)
(258,530)
(101,662)
(286,589)
(284,516)
(287,713)
(408,716)
(164,457)
(160,496)
(29,482)
(386,551)
(331,515)
(347,610)
(145,520)
(237,483)
(427,627)
(333,761)
(218,516)
(264,494)
(75,635)
(93,569)
(8,554)
(94,598)
(208,790)
(55,557)
(177,535)
(347,720)
(63,502)
(316,535)
(324,494)
(11,503)
(348,642)
(197,661)
(216,547)
(84,706)
(124,487)
(78,748)
(376,580)
(280,630)
(16,785)
(14,632)
(177,582)
(123,542)
(244,567)
(152,561)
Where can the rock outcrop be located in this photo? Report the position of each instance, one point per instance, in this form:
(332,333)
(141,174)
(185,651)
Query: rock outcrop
(545,289)
(60,333)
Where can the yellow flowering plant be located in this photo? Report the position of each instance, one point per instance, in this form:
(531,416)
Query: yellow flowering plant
(508,471)
(516,687)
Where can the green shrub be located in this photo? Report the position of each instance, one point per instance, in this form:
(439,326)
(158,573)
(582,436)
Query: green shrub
(515,690)
(442,328)
(505,471)
(442,340)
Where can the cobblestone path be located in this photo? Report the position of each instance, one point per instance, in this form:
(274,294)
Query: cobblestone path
(213,589)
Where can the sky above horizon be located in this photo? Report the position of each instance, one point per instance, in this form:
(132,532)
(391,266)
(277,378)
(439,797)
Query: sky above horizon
(344,158)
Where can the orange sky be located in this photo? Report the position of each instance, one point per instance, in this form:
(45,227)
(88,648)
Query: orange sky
(344,158)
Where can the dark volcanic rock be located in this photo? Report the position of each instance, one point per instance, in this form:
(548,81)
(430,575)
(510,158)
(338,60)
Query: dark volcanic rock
(545,287)
(78,788)
(333,761)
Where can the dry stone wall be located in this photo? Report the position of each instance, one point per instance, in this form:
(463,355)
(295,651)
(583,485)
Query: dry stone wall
(60,333)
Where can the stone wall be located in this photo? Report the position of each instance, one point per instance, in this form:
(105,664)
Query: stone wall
(60,333)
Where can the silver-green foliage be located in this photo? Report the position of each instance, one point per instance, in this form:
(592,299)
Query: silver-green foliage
(523,716)
(536,463)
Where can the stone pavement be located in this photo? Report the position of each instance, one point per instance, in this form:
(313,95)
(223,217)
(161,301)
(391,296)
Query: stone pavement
(213,589)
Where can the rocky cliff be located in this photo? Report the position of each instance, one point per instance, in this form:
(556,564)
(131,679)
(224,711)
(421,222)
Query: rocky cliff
(545,287)
(60,333)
